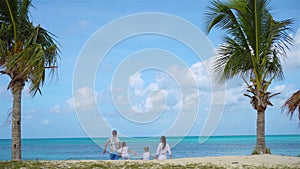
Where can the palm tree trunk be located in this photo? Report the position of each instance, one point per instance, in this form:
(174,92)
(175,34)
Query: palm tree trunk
(16,121)
(260,132)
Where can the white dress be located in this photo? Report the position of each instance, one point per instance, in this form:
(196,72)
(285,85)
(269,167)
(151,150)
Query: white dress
(146,156)
(162,152)
(124,152)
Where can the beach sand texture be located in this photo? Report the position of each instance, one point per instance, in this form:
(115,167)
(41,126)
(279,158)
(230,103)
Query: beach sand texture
(227,162)
(240,161)
(256,161)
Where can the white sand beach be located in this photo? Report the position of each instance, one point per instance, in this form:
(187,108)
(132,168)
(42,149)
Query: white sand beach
(227,162)
(239,161)
(268,161)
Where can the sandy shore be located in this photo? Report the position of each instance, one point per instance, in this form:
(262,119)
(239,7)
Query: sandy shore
(239,161)
(255,161)
(224,162)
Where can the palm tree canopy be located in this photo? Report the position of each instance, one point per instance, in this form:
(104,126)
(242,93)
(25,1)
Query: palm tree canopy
(292,103)
(25,50)
(253,46)
(254,40)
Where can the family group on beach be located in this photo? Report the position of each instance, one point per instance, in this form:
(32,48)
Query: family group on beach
(117,150)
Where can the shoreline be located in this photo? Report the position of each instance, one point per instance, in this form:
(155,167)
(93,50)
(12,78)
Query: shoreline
(254,161)
(105,137)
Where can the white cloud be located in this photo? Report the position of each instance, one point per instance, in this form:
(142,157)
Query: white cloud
(236,100)
(26,91)
(84,98)
(177,88)
(190,102)
(293,60)
(278,88)
(136,83)
(235,95)
(66,107)
(153,103)
(171,91)
(151,88)
(184,78)
(70,103)
(56,109)
(285,92)
(200,73)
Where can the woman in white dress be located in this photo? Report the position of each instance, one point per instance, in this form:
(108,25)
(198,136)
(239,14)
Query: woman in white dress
(162,149)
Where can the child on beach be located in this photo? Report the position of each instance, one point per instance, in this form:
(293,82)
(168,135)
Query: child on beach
(124,150)
(146,154)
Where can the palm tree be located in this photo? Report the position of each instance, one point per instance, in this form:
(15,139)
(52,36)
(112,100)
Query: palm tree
(292,103)
(253,46)
(26,51)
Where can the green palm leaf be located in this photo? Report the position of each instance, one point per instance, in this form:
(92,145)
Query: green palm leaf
(252,49)
(26,51)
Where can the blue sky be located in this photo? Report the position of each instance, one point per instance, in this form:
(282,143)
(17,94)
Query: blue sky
(148,95)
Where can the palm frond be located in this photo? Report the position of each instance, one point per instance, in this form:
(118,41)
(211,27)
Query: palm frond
(254,42)
(291,104)
(35,49)
(232,60)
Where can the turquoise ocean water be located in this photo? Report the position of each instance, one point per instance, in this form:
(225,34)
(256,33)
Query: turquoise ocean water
(87,149)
